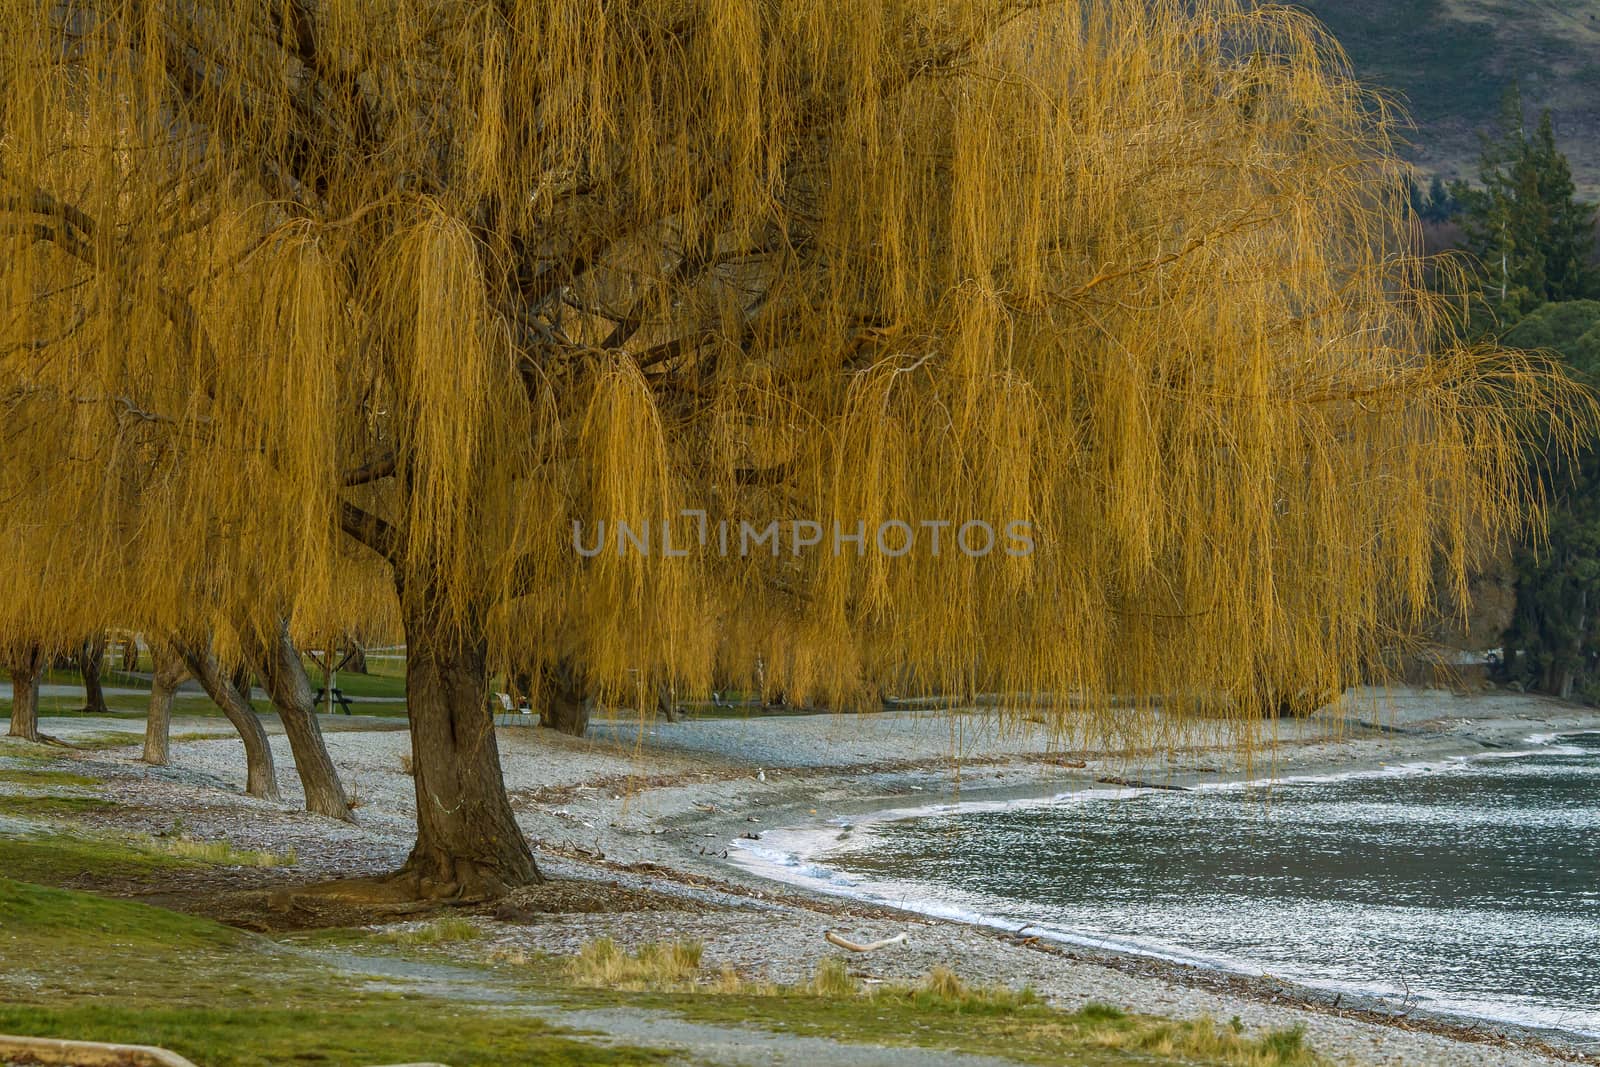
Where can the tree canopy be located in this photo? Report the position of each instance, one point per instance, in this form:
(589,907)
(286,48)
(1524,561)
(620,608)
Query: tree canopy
(343,306)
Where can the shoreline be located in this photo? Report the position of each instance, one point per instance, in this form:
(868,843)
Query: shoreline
(806,858)
(1425,730)
(652,808)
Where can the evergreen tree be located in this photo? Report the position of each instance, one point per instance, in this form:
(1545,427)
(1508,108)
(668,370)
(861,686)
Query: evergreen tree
(1569,236)
(1553,642)
(1524,222)
(1437,203)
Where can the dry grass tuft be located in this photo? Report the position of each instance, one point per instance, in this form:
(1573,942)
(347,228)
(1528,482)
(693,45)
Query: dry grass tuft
(220,853)
(1202,1040)
(449,930)
(942,982)
(660,965)
(833,979)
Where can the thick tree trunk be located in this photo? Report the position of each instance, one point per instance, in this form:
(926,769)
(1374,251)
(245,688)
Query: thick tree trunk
(468,841)
(168,673)
(25,672)
(260,778)
(564,698)
(91,660)
(284,677)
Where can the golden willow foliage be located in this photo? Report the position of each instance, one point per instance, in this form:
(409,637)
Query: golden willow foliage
(1138,272)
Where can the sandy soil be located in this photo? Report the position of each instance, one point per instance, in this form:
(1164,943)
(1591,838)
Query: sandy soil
(656,806)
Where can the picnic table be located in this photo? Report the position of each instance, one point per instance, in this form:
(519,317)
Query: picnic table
(338,698)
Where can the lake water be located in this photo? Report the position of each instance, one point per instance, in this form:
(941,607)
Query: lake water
(1470,887)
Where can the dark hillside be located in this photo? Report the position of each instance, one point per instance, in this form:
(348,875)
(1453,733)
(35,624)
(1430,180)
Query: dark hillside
(1452,60)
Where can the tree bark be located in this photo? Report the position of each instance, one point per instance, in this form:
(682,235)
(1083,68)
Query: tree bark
(25,672)
(244,680)
(168,673)
(468,842)
(260,778)
(91,660)
(666,702)
(284,677)
(565,700)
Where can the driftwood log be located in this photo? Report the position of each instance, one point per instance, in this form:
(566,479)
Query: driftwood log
(870,946)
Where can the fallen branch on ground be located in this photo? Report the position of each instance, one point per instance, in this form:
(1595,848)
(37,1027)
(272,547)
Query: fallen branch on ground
(871,946)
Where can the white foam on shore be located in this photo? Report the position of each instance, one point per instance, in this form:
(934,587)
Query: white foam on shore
(796,856)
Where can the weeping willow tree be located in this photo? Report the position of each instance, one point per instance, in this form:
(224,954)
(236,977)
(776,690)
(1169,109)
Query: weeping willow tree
(440,291)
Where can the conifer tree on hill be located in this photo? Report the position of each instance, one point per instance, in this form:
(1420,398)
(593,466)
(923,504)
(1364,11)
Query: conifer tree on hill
(1535,241)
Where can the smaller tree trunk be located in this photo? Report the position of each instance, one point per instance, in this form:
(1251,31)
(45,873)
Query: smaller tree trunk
(261,779)
(244,680)
(666,705)
(356,661)
(91,661)
(288,687)
(169,673)
(564,698)
(25,672)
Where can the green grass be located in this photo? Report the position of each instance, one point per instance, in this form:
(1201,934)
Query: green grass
(941,1011)
(64,853)
(76,925)
(51,807)
(42,779)
(118,705)
(27,792)
(335,1028)
(366,685)
(986,1022)
(387,681)
(60,857)
(74,965)
(78,965)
